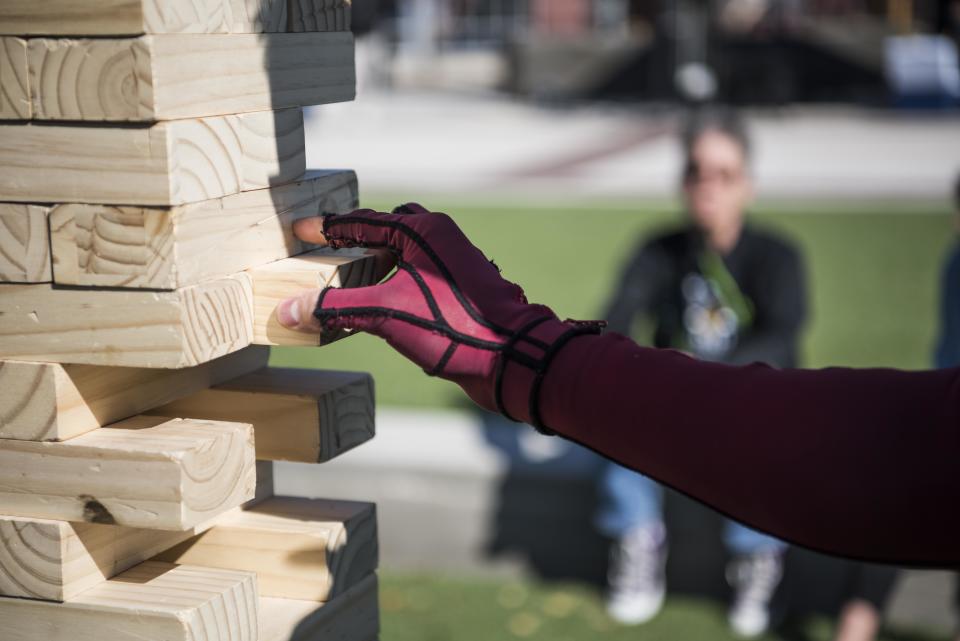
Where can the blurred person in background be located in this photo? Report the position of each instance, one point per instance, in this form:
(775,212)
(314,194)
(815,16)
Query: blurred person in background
(722,291)
(948,346)
(725,291)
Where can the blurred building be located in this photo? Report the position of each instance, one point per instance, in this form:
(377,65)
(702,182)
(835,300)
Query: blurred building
(738,51)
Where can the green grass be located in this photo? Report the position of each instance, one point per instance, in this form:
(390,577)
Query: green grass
(873,272)
(435,608)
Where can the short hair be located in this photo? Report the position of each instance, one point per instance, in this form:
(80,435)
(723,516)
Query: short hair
(719,119)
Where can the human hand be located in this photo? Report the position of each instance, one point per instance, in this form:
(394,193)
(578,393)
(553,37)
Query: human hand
(446,307)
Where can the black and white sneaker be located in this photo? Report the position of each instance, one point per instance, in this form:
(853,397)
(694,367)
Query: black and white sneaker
(754,578)
(637,575)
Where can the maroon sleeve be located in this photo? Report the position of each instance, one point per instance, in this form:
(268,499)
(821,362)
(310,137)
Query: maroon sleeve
(863,463)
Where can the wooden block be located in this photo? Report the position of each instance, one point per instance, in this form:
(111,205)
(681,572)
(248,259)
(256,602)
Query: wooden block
(143,472)
(279,280)
(24,244)
(352,616)
(265,484)
(309,549)
(319,15)
(169,163)
(169,77)
(150,601)
(176,247)
(14,81)
(53,402)
(133,17)
(300,415)
(134,328)
(57,560)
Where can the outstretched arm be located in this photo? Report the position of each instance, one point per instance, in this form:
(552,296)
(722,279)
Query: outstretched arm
(861,463)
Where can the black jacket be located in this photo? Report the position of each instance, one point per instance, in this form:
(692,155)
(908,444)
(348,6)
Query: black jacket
(746,306)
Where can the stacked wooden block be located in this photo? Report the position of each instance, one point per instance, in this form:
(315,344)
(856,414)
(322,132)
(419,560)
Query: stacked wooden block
(151,167)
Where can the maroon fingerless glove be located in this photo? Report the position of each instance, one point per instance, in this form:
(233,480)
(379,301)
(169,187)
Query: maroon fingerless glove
(448,309)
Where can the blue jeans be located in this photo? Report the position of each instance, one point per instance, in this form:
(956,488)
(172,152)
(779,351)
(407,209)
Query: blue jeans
(631,500)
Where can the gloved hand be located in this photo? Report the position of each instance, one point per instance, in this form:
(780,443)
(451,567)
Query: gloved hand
(446,308)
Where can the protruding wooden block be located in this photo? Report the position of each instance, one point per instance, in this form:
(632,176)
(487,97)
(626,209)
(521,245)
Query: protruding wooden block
(133,328)
(169,163)
(168,77)
(53,402)
(301,415)
(57,560)
(144,472)
(308,549)
(133,17)
(14,79)
(352,616)
(150,601)
(167,248)
(282,279)
(24,244)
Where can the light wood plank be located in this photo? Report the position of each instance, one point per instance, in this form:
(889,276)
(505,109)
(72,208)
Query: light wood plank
(134,17)
(14,80)
(300,415)
(282,279)
(352,616)
(150,601)
(24,244)
(319,15)
(265,483)
(181,246)
(57,560)
(184,76)
(309,549)
(144,472)
(134,328)
(53,402)
(169,163)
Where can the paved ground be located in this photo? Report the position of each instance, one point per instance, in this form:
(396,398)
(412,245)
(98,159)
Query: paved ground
(485,145)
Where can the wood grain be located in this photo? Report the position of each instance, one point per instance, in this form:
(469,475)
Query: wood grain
(14,80)
(149,601)
(53,402)
(352,616)
(57,560)
(132,328)
(143,472)
(176,247)
(134,17)
(309,416)
(24,244)
(256,16)
(319,15)
(282,279)
(310,549)
(169,163)
(171,77)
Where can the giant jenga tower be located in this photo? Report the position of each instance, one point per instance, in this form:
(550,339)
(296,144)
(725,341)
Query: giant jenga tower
(151,166)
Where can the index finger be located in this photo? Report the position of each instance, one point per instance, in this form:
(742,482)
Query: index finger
(360,228)
(311,230)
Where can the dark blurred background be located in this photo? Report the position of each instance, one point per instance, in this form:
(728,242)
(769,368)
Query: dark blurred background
(549,130)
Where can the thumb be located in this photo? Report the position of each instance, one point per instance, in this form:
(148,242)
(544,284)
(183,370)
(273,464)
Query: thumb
(297,312)
(353,308)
